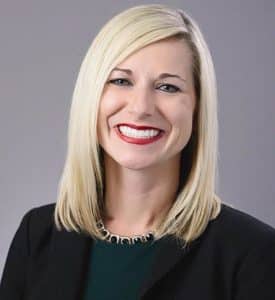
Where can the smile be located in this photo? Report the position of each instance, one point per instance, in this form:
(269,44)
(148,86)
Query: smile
(140,137)
(138,133)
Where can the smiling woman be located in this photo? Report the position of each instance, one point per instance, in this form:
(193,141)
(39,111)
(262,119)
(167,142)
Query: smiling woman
(137,215)
(145,102)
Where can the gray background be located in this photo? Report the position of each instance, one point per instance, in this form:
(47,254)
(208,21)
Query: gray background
(42,46)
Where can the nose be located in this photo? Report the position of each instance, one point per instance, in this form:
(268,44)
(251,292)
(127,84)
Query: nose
(141,103)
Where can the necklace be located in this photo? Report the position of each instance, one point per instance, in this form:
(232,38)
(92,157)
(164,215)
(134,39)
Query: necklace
(118,239)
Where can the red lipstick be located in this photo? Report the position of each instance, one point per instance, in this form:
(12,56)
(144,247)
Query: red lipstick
(138,126)
(139,141)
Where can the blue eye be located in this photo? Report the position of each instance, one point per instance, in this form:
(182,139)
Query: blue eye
(175,89)
(117,80)
(121,80)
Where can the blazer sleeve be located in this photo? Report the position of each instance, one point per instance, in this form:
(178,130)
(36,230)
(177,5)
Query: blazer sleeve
(15,269)
(256,276)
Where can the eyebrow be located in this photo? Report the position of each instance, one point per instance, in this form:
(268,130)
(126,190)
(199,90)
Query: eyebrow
(161,76)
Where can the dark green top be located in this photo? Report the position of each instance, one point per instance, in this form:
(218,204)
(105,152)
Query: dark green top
(116,271)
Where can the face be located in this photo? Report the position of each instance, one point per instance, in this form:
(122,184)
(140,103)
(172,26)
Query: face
(142,97)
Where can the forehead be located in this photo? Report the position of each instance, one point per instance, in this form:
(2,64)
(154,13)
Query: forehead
(165,55)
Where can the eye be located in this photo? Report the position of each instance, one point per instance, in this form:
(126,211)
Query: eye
(118,80)
(174,88)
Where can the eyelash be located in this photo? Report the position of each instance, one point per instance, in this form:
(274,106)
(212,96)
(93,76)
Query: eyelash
(176,89)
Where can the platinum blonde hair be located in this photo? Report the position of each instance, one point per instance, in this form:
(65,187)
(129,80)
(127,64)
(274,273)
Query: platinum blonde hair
(80,200)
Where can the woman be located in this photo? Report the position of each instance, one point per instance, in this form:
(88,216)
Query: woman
(137,216)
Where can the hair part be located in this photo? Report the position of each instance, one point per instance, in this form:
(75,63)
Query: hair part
(80,200)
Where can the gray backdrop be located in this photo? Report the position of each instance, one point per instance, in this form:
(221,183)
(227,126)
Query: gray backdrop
(42,46)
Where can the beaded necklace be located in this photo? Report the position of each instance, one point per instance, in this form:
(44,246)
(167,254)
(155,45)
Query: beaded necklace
(118,239)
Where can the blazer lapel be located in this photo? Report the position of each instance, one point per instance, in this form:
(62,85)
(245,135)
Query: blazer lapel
(169,254)
(68,262)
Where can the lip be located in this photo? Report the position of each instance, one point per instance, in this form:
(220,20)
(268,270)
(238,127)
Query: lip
(138,126)
(139,141)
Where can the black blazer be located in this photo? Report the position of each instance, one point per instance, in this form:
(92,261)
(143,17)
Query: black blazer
(234,259)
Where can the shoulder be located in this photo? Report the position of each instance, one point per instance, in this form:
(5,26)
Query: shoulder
(236,228)
(246,246)
(239,222)
(37,225)
(39,217)
(42,213)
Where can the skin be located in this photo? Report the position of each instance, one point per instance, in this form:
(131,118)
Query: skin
(141,180)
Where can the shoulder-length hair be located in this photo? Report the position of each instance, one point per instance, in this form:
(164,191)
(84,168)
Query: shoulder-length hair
(80,200)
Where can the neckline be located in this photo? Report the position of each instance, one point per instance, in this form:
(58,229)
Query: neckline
(105,244)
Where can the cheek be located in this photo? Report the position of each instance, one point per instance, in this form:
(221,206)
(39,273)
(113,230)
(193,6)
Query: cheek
(180,116)
(103,112)
(107,107)
(109,104)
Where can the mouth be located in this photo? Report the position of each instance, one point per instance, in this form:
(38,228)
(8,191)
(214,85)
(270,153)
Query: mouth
(139,127)
(140,137)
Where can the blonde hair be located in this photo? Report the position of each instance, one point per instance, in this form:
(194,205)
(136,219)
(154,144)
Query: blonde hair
(81,191)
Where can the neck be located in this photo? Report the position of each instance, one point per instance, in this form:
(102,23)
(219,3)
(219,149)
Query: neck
(137,200)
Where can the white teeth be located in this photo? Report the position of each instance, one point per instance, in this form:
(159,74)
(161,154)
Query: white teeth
(131,132)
